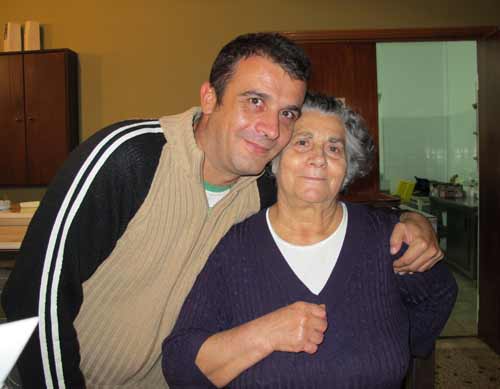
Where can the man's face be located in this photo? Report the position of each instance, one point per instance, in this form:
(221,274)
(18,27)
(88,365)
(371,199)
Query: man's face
(255,118)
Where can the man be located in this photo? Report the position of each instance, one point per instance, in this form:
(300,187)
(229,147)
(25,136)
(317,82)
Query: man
(134,213)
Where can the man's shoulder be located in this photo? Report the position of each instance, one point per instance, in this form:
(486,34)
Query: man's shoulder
(128,140)
(145,130)
(125,150)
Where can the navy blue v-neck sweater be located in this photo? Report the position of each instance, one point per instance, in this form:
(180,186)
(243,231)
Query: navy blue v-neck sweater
(376,319)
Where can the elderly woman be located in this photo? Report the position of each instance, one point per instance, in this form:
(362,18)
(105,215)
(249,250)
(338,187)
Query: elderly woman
(303,294)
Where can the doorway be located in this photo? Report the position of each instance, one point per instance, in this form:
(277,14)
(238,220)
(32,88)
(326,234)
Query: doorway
(427,94)
(319,45)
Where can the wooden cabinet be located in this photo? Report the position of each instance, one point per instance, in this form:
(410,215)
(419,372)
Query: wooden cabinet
(38,114)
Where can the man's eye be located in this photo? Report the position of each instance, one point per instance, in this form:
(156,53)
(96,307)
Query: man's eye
(301,142)
(290,115)
(255,101)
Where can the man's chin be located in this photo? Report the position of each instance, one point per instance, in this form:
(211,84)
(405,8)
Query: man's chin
(253,170)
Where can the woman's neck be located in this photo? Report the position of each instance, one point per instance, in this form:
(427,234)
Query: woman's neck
(306,224)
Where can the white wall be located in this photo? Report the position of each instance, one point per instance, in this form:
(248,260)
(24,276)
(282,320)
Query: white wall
(426,91)
(461,80)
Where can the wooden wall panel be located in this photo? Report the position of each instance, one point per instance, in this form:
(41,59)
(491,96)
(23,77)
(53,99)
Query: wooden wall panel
(349,70)
(489,179)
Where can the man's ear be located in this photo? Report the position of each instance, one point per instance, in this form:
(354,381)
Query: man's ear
(208,98)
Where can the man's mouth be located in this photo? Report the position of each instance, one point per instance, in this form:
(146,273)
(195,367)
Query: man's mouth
(257,148)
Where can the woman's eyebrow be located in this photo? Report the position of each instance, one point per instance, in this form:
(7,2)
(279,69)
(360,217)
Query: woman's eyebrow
(303,133)
(334,139)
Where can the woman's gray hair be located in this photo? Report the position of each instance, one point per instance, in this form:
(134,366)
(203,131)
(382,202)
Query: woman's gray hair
(360,148)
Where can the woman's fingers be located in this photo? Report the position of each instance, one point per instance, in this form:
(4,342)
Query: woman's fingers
(298,327)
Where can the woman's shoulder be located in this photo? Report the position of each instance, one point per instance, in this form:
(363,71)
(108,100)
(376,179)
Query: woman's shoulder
(372,217)
(253,225)
(243,236)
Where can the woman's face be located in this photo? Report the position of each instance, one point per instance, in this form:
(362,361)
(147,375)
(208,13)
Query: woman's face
(313,165)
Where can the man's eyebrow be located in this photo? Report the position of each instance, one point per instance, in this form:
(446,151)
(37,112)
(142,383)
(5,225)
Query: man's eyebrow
(265,96)
(249,93)
(295,108)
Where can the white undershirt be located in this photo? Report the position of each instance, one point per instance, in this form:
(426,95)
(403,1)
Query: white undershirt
(314,263)
(214,197)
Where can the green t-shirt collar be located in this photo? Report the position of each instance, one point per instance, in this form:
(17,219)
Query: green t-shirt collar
(215,188)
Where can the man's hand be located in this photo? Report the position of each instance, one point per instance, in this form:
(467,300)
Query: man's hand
(296,327)
(423,251)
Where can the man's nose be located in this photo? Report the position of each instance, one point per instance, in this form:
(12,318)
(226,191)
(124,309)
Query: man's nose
(269,126)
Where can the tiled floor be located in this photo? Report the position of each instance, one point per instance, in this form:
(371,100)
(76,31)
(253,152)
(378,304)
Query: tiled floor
(466,363)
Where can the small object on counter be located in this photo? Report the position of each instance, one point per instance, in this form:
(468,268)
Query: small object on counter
(454,179)
(4,205)
(446,190)
(29,204)
(451,191)
(12,37)
(32,35)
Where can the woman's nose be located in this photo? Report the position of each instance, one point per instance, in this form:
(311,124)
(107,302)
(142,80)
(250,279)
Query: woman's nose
(318,157)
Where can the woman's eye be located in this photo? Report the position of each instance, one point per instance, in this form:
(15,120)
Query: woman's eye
(334,149)
(301,142)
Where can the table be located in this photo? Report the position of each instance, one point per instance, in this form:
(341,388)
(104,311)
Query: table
(458,223)
(13,226)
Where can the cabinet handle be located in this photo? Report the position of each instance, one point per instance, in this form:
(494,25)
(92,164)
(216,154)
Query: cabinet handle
(18,119)
(31,118)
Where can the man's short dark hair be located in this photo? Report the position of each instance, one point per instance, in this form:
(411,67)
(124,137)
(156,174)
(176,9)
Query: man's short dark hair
(279,49)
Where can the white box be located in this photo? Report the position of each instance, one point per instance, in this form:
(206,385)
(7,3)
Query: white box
(32,35)
(12,37)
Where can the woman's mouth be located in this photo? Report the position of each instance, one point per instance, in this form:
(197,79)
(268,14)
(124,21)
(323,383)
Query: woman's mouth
(314,178)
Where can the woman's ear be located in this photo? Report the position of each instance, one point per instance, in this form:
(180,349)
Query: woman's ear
(208,98)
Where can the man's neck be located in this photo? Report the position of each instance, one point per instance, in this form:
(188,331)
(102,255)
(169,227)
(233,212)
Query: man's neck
(212,174)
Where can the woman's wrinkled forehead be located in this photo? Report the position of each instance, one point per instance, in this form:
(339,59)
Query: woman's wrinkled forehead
(314,121)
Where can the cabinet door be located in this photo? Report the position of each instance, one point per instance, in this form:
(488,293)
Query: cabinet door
(47,122)
(12,129)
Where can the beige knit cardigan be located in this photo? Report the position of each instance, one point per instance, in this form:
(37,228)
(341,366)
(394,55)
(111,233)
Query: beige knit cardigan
(132,301)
